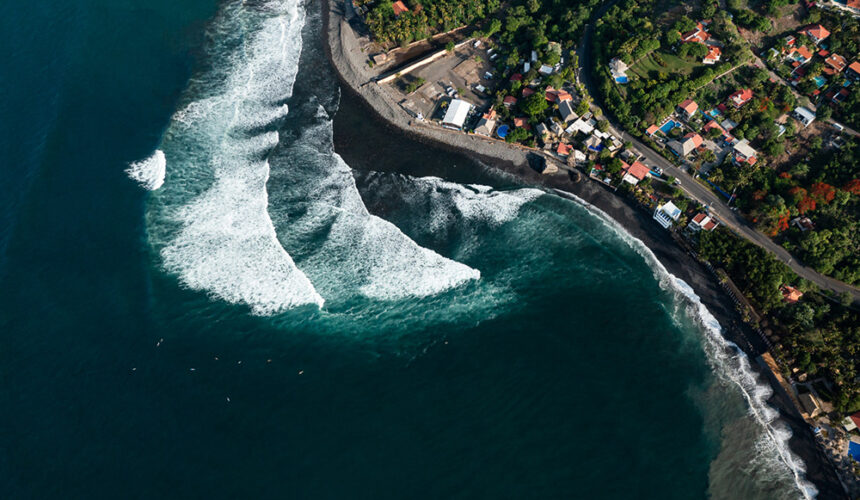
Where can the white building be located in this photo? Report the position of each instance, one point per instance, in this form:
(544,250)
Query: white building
(455,116)
(667,214)
(804,115)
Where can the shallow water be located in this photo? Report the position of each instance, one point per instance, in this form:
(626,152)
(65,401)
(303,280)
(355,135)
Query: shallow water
(272,320)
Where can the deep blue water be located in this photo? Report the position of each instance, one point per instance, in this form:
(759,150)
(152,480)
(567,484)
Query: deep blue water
(486,341)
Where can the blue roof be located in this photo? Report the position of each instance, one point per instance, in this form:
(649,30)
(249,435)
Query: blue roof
(854,450)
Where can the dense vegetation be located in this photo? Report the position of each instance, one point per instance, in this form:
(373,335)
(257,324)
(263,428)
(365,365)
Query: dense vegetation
(663,71)
(424,18)
(817,336)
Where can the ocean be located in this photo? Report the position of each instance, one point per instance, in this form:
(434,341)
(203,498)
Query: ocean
(202,296)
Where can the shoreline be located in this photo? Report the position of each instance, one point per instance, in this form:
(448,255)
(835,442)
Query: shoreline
(341,48)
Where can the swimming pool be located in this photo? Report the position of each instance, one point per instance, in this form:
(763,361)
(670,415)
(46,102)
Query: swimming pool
(502,131)
(669,125)
(621,79)
(713,113)
(820,81)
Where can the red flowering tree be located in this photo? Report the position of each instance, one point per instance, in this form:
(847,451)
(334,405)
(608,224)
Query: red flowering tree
(805,205)
(852,187)
(822,192)
(797,194)
(785,175)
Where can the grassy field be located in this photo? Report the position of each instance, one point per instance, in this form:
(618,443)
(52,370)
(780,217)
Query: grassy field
(673,64)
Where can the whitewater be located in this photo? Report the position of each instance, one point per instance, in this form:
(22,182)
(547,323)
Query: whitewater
(230,196)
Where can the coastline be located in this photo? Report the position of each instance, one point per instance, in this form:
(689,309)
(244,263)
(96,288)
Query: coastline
(341,46)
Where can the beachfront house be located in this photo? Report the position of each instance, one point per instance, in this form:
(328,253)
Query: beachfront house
(455,116)
(688,108)
(743,153)
(810,404)
(702,221)
(667,214)
(565,109)
(687,145)
(804,115)
(634,173)
(486,124)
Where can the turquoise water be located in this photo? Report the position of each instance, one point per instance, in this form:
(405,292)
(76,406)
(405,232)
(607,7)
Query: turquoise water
(202,299)
(669,125)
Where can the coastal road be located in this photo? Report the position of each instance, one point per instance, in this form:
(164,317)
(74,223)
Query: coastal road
(695,190)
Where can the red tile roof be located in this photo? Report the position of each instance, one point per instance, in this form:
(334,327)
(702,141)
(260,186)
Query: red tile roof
(804,52)
(564,149)
(652,130)
(790,294)
(816,31)
(399,8)
(638,170)
(520,122)
(516,77)
(689,106)
(699,217)
(836,62)
(510,100)
(855,67)
(696,138)
(528,91)
(741,97)
(714,53)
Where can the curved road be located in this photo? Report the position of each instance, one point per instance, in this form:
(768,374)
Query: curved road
(697,191)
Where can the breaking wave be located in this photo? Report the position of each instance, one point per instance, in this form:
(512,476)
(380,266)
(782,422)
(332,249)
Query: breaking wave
(731,365)
(149,173)
(210,223)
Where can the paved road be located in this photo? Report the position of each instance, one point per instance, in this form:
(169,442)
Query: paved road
(701,193)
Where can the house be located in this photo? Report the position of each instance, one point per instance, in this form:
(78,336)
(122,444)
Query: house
(687,145)
(741,97)
(840,96)
(486,124)
(455,116)
(803,223)
(556,128)
(835,63)
(545,70)
(667,214)
(743,153)
(689,108)
(711,125)
(542,130)
(565,109)
(713,56)
(698,35)
(790,294)
(853,71)
(810,404)
(581,125)
(509,101)
(618,70)
(579,155)
(816,32)
(800,55)
(399,8)
(652,130)
(728,125)
(702,221)
(563,149)
(516,77)
(528,91)
(526,67)
(804,115)
(520,122)
(634,173)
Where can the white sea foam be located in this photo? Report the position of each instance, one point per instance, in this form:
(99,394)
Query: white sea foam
(731,365)
(212,224)
(149,172)
(360,253)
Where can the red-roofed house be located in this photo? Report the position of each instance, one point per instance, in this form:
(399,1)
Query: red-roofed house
(790,294)
(521,123)
(840,96)
(652,130)
(632,174)
(714,125)
(741,97)
(509,101)
(399,8)
(689,107)
(713,55)
(563,149)
(702,221)
(528,91)
(698,35)
(800,55)
(562,95)
(836,64)
(816,32)
(686,146)
(853,70)
(516,77)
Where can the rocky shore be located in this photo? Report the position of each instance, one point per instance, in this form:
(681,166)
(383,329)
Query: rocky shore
(343,47)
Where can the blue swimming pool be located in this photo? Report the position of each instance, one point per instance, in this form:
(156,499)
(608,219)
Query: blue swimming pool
(669,125)
(713,113)
(621,79)
(820,81)
(502,131)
